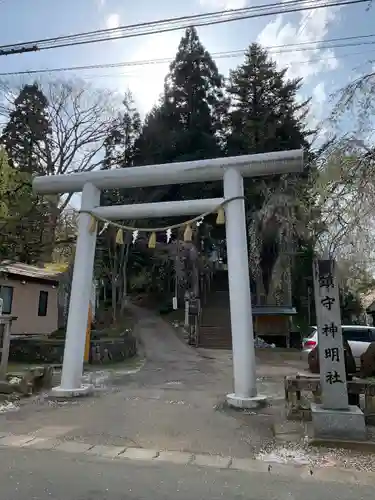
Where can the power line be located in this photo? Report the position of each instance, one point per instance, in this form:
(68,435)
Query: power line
(304,61)
(299,62)
(173,24)
(273,49)
(162,21)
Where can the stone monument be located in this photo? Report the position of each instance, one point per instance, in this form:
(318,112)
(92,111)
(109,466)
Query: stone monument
(334,418)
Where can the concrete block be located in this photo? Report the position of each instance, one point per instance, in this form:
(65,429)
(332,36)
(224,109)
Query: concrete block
(175,457)
(339,424)
(73,447)
(6,387)
(288,438)
(16,441)
(139,454)
(212,461)
(106,451)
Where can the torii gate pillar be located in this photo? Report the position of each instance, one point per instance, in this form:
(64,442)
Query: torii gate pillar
(245,390)
(80,296)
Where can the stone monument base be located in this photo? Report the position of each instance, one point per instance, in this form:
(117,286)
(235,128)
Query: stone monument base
(338,424)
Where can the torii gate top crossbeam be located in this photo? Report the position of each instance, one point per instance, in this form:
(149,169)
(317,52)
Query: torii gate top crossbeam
(262,164)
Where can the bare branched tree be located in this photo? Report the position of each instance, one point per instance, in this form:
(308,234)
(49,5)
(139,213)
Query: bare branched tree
(79,119)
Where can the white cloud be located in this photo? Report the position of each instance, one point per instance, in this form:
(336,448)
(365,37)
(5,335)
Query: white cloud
(319,93)
(223,4)
(312,26)
(317,116)
(112,21)
(318,104)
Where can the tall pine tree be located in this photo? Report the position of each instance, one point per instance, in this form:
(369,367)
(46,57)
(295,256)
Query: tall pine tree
(27,130)
(30,237)
(187,124)
(265,115)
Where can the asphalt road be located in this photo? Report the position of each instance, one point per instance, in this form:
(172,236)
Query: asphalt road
(43,475)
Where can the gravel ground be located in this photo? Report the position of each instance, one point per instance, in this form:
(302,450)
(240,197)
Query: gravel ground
(301,453)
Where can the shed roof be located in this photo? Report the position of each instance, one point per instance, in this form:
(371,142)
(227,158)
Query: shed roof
(28,271)
(274,311)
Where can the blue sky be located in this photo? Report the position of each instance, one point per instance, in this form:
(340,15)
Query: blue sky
(323,71)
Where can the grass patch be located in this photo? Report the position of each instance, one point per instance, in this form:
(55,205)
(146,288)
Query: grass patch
(125,322)
(23,367)
(102,327)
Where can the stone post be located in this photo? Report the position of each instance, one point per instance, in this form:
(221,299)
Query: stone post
(334,418)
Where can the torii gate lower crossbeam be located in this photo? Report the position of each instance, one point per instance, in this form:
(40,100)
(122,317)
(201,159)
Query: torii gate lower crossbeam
(231,170)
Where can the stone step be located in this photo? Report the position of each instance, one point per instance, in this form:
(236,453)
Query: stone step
(215,314)
(217,330)
(226,347)
(216,323)
(215,344)
(218,295)
(215,337)
(221,306)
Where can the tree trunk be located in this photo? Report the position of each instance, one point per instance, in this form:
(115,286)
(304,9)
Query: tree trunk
(114,301)
(49,229)
(124,294)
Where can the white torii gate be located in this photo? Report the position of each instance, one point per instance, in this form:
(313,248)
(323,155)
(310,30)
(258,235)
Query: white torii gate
(231,170)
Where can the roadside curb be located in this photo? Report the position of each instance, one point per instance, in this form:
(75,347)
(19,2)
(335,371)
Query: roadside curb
(153,456)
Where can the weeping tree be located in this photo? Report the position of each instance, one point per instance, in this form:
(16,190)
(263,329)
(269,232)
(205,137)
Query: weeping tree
(344,196)
(350,167)
(276,230)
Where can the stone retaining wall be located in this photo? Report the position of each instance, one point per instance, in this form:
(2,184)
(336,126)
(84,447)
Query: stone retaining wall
(41,350)
(109,350)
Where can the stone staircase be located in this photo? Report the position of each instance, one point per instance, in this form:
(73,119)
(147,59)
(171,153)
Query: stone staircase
(215,329)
